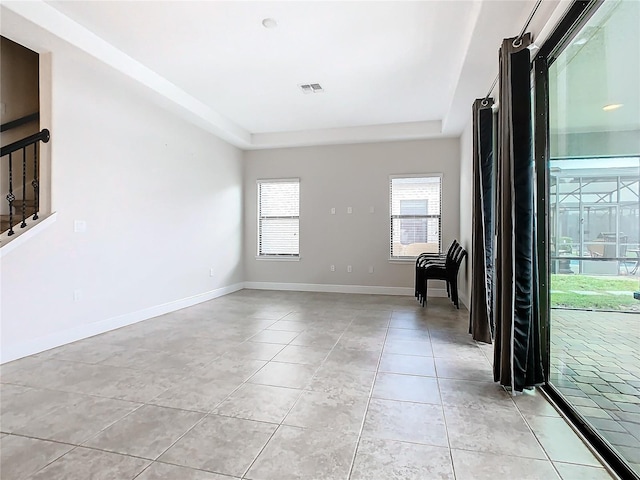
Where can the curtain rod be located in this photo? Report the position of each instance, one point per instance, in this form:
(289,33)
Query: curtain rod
(516,43)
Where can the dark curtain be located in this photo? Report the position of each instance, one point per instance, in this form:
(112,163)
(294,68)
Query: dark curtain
(481,312)
(517,355)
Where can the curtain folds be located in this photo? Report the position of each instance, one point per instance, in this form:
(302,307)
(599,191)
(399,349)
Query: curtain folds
(517,353)
(481,325)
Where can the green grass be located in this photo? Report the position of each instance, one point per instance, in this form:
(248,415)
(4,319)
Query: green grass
(567,284)
(593,284)
(593,302)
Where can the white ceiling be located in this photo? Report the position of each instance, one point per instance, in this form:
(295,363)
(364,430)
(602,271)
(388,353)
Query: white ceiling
(390,70)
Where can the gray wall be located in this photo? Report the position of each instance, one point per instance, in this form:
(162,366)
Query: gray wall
(342,176)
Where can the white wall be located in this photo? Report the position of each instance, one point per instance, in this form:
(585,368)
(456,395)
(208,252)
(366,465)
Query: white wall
(344,176)
(162,201)
(466,206)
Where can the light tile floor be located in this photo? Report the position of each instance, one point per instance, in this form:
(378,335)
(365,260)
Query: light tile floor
(595,360)
(278,386)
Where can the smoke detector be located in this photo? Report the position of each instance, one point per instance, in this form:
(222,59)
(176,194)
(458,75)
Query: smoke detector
(311,88)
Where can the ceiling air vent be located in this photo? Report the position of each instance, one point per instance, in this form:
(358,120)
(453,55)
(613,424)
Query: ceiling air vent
(311,88)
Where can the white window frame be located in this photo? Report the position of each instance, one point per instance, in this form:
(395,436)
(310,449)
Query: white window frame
(276,257)
(407,259)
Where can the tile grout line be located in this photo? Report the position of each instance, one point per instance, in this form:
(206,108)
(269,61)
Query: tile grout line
(302,392)
(544,450)
(79,445)
(370,396)
(143,470)
(74,447)
(444,417)
(531,430)
(207,413)
(597,456)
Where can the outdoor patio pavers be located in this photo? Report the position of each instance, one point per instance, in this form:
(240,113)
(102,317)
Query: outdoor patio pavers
(595,363)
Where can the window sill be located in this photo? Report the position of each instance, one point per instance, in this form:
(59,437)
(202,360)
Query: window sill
(276,258)
(402,260)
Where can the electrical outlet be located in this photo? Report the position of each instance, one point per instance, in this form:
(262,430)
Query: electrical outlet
(212,272)
(333,210)
(349,210)
(349,269)
(370,269)
(333,268)
(372,210)
(77,295)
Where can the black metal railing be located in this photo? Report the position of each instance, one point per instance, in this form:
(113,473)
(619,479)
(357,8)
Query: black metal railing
(9,151)
(20,121)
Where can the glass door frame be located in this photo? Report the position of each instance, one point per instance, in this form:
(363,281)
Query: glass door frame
(572,22)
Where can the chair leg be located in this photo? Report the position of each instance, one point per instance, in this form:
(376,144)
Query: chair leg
(426,286)
(454,292)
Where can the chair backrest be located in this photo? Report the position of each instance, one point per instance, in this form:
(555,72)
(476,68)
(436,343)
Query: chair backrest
(453,245)
(451,258)
(426,256)
(454,265)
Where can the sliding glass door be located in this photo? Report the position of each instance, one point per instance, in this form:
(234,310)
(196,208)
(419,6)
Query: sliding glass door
(593,223)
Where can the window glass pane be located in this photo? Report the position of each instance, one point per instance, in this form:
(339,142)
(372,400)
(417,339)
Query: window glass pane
(280,199)
(413,207)
(278,217)
(594,215)
(279,236)
(415,215)
(420,230)
(415,189)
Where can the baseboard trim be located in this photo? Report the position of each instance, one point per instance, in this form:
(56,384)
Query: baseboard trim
(464,300)
(327,288)
(57,339)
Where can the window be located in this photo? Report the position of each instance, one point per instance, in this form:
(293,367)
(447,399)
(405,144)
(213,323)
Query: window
(415,215)
(279,218)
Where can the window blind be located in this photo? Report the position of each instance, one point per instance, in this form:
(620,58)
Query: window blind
(415,223)
(279,217)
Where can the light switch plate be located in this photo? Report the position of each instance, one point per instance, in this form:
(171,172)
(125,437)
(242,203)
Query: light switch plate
(79,226)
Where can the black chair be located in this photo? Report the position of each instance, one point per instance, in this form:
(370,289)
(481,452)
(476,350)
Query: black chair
(447,271)
(428,258)
(432,262)
(437,269)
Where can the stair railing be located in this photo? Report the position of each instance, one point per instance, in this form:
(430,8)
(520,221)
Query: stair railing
(33,117)
(8,151)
